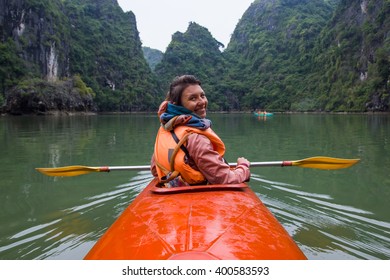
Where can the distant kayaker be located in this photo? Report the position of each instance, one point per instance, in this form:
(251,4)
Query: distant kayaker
(187,151)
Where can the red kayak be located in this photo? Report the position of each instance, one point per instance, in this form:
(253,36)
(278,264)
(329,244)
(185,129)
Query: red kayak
(210,222)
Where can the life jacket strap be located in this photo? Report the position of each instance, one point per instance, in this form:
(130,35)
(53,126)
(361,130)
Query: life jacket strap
(180,145)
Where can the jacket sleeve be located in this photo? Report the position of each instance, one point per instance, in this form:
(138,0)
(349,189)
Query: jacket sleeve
(212,165)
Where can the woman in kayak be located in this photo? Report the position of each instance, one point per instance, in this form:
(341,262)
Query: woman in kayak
(187,151)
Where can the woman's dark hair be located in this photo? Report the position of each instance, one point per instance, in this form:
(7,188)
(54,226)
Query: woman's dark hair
(178,85)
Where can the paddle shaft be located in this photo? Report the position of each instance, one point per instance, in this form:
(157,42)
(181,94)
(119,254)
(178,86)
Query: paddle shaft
(124,168)
(313,162)
(147,167)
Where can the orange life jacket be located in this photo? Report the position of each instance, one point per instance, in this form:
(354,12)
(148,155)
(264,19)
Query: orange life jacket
(170,157)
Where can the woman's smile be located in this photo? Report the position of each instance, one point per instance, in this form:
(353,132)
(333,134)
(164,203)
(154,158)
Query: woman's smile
(195,100)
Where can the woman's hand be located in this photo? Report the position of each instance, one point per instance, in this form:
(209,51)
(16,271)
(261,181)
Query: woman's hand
(243,161)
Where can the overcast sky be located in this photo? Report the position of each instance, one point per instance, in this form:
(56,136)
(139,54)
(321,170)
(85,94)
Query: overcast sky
(157,20)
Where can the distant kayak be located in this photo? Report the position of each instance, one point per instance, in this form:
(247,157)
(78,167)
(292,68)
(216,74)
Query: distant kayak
(208,222)
(263,114)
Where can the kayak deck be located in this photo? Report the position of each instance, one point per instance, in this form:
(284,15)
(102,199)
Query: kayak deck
(196,222)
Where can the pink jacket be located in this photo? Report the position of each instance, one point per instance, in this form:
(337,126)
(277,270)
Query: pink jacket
(210,163)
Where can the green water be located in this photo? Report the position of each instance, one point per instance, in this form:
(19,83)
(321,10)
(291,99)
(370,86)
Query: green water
(338,214)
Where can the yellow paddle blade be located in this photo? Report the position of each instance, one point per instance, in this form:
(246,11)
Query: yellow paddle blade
(69,171)
(325,162)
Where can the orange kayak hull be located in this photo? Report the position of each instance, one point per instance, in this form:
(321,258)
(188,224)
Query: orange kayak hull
(199,222)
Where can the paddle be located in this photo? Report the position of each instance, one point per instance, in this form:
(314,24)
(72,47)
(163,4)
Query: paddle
(313,162)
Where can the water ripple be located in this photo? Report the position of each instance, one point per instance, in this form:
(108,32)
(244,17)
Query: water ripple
(33,229)
(334,206)
(71,232)
(323,228)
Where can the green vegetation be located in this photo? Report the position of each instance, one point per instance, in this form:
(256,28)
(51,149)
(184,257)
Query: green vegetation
(194,52)
(82,87)
(152,56)
(341,64)
(293,55)
(354,53)
(106,52)
(11,67)
(284,55)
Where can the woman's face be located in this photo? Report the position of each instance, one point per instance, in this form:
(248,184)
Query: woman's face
(194,99)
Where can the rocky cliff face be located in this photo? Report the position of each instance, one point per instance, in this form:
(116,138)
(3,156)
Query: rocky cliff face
(55,40)
(315,55)
(39,33)
(273,42)
(41,97)
(356,55)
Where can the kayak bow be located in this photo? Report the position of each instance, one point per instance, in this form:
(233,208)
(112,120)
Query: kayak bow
(196,222)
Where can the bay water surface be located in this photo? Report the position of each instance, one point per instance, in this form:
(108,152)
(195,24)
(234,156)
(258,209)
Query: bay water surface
(331,214)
